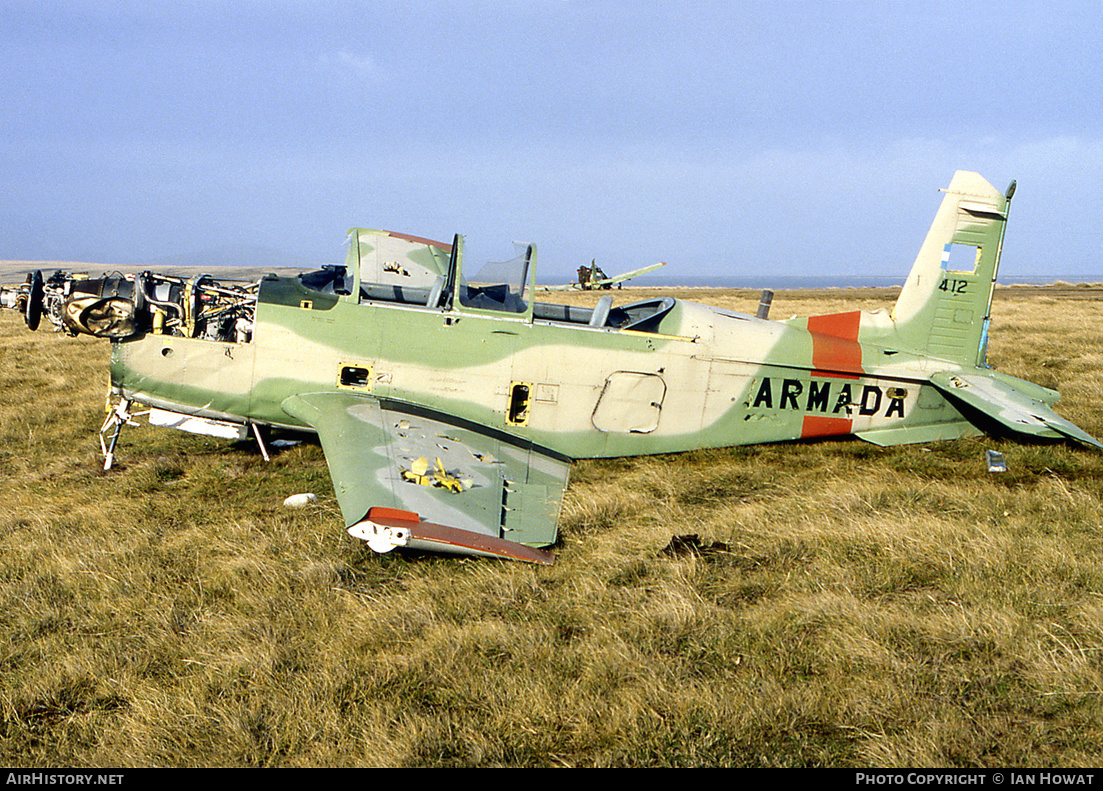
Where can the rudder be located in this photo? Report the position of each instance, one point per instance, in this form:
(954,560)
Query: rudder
(944,307)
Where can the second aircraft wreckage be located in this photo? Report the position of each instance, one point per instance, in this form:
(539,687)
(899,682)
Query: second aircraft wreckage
(449,402)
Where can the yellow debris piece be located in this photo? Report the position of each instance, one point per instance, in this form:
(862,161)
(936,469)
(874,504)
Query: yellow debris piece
(419,474)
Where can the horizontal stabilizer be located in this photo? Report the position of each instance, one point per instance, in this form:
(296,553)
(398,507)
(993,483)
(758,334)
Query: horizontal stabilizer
(1000,401)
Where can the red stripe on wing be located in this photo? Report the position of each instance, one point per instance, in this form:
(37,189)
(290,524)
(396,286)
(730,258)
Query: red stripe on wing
(453,539)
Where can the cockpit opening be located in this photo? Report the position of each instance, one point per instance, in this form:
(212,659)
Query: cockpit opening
(501,286)
(395,268)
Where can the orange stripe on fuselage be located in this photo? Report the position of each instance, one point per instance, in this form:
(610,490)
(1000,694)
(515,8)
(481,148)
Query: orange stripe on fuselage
(836,353)
(817,426)
(835,348)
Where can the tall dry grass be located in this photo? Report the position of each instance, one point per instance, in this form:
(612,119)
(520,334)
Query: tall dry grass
(840,604)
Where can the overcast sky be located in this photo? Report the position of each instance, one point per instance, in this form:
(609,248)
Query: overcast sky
(726,138)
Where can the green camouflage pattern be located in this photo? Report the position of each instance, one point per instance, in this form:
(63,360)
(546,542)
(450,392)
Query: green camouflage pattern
(459,404)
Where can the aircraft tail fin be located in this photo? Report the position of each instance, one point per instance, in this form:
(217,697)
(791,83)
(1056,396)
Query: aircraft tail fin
(945,306)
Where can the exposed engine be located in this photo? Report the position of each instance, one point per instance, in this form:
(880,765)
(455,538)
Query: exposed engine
(119,306)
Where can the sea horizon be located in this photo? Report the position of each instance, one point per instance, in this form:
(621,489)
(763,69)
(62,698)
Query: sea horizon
(12,267)
(836,281)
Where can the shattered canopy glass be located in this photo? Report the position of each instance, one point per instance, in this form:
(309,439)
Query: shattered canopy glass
(499,286)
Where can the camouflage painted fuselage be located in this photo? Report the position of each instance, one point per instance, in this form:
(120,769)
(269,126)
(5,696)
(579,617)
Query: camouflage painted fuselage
(501,391)
(702,378)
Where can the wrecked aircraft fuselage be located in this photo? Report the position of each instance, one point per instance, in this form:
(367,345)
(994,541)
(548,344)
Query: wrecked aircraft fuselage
(449,402)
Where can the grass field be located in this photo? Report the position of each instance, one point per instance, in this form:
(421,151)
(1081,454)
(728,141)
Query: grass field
(798,604)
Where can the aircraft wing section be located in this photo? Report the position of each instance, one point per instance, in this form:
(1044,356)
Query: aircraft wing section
(404,478)
(602,282)
(1007,405)
(606,281)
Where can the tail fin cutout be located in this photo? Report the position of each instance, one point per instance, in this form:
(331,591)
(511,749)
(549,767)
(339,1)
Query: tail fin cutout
(944,308)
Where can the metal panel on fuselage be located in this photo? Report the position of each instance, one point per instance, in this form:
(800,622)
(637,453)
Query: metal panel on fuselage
(185,374)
